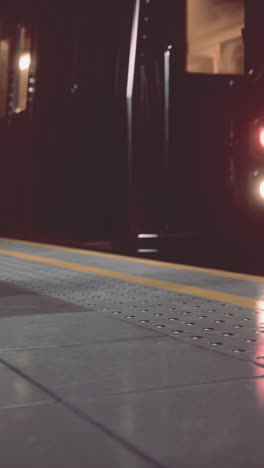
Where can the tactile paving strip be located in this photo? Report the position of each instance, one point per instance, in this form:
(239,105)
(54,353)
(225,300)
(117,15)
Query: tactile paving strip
(225,328)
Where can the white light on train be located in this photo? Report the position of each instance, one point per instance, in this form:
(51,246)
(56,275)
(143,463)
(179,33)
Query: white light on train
(261,189)
(24,61)
(132,52)
(147,236)
(261,137)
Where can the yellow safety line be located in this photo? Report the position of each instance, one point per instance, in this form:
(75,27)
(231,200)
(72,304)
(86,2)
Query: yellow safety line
(154,283)
(175,266)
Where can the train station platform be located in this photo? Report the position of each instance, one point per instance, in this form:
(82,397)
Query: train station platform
(112,361)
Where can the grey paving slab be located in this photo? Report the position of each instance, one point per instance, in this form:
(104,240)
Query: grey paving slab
(207,281)
(177,275)
(52,436)
(11,244)
(219,425)
(58,282)
(34,304)
(84,289)
(63,329)
(248,345)
(7,289)
(103,346)
(190,319)
(153,309)
(16,390)
(157,310)
(126,366)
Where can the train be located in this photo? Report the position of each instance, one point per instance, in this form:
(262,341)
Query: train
(137,121)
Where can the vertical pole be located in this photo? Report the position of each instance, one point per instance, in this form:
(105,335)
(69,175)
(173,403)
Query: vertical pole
(129,101)
(166,137)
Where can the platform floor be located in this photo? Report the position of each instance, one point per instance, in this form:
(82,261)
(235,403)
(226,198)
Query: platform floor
(109,361)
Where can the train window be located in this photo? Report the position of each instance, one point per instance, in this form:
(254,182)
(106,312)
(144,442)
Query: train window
(23,66)
(214,35)
(4,66)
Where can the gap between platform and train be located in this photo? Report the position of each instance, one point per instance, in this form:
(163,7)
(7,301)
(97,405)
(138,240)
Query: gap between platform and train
(242,301)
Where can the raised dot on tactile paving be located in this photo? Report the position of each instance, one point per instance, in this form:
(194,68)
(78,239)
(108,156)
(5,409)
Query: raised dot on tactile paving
(238,326)
(190,323)
(171,308)
(228,315)
(157,315)
(177,331)
(239,350)
(185,313)
(143,321)
(160,326)
(216,343)
(208,329)
(246,319)
(249,340)
(219,321)
(211,310)
(130,316)
(228,334)
(201,316)
(116,312)
(197,337)
(173,318)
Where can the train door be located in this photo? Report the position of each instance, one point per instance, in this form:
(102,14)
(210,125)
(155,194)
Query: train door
(188,92)
(207,108)
(204,164)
